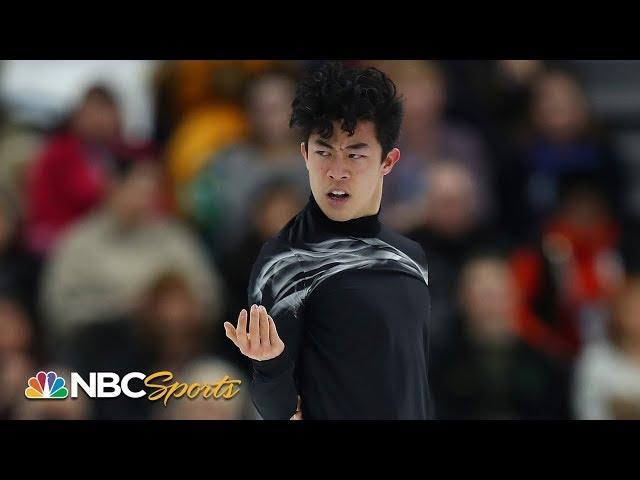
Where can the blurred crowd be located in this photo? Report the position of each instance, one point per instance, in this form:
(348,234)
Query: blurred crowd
(127,254)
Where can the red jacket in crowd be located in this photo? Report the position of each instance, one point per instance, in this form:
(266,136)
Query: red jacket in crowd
(68,179)
(575,269)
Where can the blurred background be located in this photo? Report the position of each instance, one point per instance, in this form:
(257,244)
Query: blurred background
(135,196)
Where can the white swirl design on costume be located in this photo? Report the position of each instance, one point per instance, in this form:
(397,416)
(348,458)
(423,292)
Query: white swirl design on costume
(294,274)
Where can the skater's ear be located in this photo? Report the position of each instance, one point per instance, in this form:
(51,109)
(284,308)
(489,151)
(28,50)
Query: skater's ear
(304,153)
(390,160)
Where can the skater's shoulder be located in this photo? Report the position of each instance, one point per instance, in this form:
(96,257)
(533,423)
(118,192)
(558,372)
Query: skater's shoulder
(280,243)
(403,243)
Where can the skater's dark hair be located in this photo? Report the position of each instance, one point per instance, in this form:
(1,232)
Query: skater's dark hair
(335,93)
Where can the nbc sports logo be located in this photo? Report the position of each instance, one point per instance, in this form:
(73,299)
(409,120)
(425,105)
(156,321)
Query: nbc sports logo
(46,386)
(110,385)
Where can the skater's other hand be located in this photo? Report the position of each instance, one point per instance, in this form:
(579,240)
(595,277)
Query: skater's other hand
(298,414)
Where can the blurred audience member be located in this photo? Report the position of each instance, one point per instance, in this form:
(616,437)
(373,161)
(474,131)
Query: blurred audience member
(169,327)
(107,258)
(18,147)
(449,232)
(427,139)
(210,371)
(18,269)
(220,198)
(568,278)
(629,247)
(17,359)
(493,96)
(514,84)
(70,175)
(186,86)
(200,111)
(276,202)
(607,374)
(563,141)
(490,373)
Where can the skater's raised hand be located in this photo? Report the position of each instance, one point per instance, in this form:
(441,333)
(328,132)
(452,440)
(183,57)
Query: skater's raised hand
(262,342)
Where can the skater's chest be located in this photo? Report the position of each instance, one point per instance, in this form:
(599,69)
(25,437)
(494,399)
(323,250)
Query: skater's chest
(380,302)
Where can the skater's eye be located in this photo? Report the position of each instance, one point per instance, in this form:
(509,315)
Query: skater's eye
(356,156)
(323,153)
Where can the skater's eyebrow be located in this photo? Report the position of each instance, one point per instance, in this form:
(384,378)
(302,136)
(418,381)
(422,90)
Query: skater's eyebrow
(322,143)
(357,146)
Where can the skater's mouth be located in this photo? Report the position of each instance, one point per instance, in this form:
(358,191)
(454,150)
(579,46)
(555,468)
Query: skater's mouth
(338,197)
(338,194)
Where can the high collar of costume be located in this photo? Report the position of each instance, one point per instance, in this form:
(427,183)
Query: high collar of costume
(368,226)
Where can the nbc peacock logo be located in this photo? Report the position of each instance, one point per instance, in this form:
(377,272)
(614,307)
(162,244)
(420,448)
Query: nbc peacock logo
(46,386)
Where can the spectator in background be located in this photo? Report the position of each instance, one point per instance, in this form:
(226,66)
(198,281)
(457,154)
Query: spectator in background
(276,202)
(563,140)
(493,96)
(568,277)
(210,370)
(70,175)
(106,259)
(220,198)
(200,111)
(18,147)
(425,140)
(17,355)
(18,269)
(607,374)
(169,327)
(187,91)
(629,247)
(205,129)
(490,373)
(450,230)
(514,82)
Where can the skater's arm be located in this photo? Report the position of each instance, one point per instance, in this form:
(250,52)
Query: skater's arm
(276,283)
(274,392)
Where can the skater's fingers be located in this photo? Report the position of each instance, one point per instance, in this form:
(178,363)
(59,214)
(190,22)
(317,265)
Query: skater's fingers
(273,332)
(231,333)
(241,331)
(264,328)
(254,328)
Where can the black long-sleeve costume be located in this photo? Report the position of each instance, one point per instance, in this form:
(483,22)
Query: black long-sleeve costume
(351,304)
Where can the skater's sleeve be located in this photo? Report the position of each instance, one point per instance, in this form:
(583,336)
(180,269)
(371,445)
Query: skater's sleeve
(277,282)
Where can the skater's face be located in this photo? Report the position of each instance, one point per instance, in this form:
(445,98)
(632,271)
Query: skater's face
(346,172)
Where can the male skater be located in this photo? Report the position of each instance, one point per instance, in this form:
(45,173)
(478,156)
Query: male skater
(340,305)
